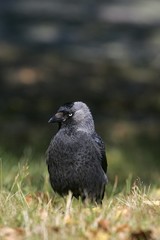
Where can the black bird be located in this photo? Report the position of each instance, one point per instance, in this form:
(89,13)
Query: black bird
(76,156)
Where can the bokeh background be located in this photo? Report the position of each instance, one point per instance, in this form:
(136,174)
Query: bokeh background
(105,53)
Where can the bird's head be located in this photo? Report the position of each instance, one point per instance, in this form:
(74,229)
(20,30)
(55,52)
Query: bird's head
(74,114)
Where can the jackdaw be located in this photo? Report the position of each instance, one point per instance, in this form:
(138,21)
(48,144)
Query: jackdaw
(76,156)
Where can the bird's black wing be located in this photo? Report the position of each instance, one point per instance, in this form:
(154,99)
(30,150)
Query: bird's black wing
(101,145)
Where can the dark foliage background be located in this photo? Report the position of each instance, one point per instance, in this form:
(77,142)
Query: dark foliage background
(106,53)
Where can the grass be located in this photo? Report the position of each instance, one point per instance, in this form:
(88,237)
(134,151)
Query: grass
(30,210)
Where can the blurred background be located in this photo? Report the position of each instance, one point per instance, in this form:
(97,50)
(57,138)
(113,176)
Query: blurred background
(105,53)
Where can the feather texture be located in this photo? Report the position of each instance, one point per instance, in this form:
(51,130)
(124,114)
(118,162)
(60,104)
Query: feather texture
(76,155)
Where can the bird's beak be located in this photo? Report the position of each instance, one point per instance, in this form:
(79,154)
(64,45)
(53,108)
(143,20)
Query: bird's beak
(58,117)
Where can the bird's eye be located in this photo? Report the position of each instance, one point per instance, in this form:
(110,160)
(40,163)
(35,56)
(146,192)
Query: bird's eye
(70,114)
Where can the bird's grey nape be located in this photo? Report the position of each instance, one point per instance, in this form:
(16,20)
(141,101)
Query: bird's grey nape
(83,117)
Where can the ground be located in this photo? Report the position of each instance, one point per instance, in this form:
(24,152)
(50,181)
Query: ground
(29,209)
